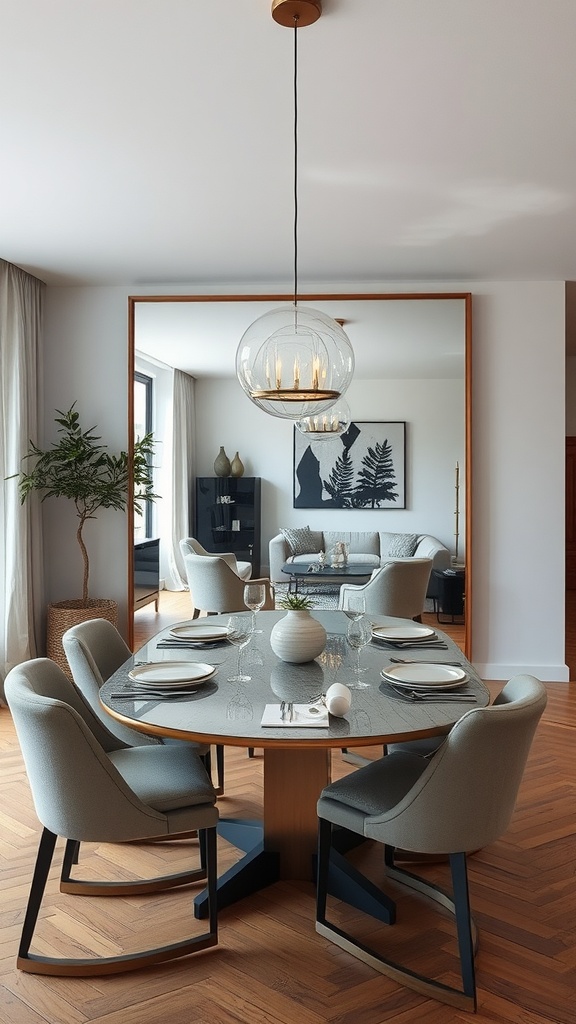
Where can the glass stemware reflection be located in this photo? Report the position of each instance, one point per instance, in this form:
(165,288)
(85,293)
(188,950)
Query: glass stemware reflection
(239,707)
(358,635)
(239,633)
(332,656)
(355,604)
(254,598)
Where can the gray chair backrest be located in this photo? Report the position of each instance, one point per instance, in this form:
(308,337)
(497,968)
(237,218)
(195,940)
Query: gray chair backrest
(465,798)
(398,588)
(190,546)
(77,791)
(215,587)
(95,650)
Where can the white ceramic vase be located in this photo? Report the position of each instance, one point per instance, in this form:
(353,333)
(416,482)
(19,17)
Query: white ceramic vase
(298,637)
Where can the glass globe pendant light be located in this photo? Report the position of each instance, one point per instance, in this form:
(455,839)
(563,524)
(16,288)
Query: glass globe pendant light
(330,423)
(295,362)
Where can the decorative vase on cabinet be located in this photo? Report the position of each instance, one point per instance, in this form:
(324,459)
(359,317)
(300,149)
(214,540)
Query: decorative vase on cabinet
(222,464)
(236,466)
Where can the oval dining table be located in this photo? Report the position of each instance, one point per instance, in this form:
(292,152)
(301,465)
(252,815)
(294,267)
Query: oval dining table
(296,759)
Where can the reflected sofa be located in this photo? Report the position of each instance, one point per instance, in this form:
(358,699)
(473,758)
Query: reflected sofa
(367,548)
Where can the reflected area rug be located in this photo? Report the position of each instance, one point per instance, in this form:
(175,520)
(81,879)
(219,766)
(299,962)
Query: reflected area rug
(323,596)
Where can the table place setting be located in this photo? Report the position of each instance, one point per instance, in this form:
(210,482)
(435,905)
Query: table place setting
(409,636)
(170,674)
(422,681)
(194,636)
(157,680)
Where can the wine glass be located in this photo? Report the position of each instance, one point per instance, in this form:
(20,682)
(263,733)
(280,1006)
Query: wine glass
(254,598)
(355,605)
(239,633)
(358,635)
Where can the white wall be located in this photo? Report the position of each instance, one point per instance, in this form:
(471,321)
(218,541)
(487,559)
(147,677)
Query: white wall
(434,414)
(518,434)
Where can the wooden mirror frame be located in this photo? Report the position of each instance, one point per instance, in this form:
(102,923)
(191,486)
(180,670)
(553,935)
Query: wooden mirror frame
(466,297)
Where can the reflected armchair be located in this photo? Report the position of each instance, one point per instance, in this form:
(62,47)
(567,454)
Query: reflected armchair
(190,546)
(215,587)
(398,588)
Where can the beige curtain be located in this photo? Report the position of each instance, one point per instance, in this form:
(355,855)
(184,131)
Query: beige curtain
(21,577)
(183,474)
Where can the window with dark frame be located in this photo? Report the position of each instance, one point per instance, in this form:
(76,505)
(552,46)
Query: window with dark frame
(143,408)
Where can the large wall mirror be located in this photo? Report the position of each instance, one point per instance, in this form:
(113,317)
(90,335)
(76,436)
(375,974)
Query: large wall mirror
(413,364)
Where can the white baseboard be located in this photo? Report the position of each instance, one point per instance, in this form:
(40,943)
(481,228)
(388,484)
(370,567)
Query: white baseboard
(546,673)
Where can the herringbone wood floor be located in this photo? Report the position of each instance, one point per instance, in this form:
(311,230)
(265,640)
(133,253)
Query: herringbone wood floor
(270,966)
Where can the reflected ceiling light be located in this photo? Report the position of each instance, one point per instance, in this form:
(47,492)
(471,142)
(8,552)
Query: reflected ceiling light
(295,362)
(332,423)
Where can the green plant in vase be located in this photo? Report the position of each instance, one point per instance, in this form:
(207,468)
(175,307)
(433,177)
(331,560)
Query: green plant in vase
(296,603)
(79,467)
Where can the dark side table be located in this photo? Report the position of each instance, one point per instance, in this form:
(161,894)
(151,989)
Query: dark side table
(450,593)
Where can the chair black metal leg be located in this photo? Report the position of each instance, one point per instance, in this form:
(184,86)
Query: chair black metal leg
(324,843)
(220,768)
(457,905)
(207,762)
(209,836)
(93,966)
(71,856)
(41,869)
(463,922)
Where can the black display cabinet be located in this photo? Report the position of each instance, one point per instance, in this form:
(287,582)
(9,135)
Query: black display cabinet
(228,516)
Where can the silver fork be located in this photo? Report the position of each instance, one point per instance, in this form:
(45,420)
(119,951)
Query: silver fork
(437,695)
(286,711)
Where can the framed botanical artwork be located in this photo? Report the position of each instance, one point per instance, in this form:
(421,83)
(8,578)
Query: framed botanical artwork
(365,467)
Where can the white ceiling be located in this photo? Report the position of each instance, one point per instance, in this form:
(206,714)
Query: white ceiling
(150,141)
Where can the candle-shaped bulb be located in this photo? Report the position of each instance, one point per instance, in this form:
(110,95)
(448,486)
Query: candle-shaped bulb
(296,374)
(315,373)
(278,373)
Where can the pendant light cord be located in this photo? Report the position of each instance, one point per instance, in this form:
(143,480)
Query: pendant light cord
(295,160)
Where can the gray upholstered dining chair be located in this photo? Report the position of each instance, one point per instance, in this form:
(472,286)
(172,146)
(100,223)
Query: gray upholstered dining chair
(397,588)
(95,650)
(459,800)
(216,588)
(87,786)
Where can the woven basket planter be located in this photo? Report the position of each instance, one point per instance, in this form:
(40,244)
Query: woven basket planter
(65,614)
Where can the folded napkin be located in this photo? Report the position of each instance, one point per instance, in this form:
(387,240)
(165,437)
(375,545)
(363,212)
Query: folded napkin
(303,717)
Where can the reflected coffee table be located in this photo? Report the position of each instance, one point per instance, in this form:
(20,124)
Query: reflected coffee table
(296,760)
(314,573)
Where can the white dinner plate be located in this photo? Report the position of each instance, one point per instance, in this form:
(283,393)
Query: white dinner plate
(414,632)
(425,676)
(171,673)
(199,632)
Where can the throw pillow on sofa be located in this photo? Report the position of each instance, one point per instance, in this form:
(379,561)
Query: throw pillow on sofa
(398,545)
(302,541)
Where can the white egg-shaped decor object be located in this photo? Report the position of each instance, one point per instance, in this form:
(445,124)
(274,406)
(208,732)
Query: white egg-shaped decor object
(338,699)
(297,637)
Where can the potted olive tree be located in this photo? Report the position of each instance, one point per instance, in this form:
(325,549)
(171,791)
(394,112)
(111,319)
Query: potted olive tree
(78,466)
